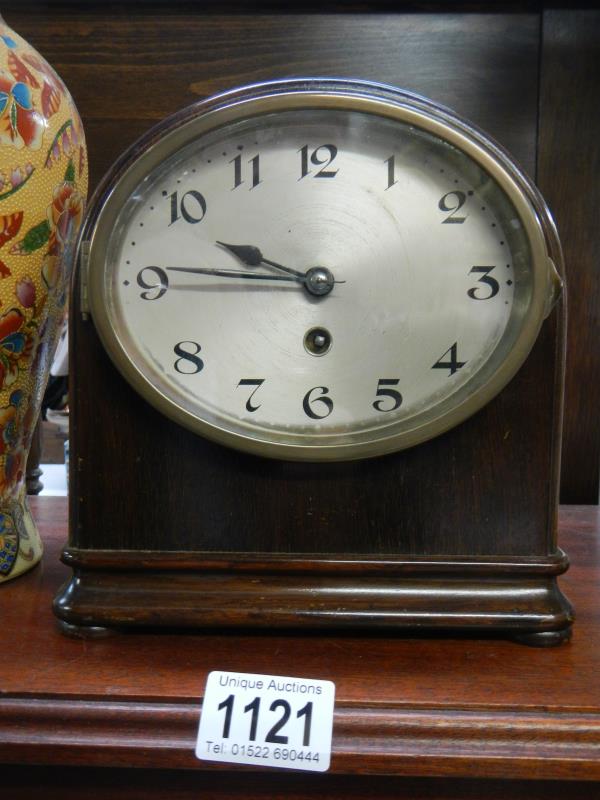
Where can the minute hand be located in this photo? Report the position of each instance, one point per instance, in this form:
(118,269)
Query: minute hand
(234,273)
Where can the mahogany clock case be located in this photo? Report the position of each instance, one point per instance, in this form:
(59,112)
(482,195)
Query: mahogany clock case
(467,521)
(456,532)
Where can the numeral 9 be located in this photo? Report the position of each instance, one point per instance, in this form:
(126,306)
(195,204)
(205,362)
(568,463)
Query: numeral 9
(161,284)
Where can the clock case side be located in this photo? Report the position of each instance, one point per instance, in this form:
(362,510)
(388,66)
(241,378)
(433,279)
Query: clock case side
(397,542)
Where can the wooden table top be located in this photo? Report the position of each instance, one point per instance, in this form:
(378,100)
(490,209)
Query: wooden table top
(405,706)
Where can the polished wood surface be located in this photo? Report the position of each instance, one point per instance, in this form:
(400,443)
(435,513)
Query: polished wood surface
(423,707)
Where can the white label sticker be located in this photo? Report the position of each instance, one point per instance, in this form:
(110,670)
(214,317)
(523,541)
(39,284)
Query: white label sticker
(267,720)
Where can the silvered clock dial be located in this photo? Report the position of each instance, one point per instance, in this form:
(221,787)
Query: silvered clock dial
(319,271)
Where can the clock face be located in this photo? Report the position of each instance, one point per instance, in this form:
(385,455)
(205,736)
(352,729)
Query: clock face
(317,280)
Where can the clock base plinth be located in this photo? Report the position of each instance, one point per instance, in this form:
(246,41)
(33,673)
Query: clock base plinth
(519,599)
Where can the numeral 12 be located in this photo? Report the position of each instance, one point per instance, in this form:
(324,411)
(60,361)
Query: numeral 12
(318,159)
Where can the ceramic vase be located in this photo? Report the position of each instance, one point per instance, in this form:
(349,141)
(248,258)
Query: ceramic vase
(43,184)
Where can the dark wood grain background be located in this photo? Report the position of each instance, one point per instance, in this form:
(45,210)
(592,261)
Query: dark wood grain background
(528,77)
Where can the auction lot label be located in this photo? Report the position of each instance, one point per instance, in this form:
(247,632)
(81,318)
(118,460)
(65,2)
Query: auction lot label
(267,720)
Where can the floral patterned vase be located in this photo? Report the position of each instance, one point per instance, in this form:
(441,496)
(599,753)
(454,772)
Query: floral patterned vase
(43,184)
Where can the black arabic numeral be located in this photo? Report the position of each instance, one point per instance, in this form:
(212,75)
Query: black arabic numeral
(453,364)
(253,707)
(161,283)
(306,712)
(191,203)
(227,704)
(491,282)
(327,402)
(257,383)
(272,736)
(188,363)
(391,162)
(174,208)
(453,202)
(237,171)
(382,391)
(317,160)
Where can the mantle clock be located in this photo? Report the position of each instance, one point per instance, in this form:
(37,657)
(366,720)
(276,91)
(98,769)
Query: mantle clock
(311,326)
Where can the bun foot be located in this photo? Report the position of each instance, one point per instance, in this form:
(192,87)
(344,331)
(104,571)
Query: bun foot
(84,631)
(544,638)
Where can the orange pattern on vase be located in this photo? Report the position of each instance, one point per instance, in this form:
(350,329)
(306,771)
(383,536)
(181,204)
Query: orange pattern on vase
(43,185)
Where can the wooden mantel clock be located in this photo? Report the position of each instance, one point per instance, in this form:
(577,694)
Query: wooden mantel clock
(317,375)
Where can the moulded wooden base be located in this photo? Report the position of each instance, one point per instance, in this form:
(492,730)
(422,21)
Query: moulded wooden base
(521,599)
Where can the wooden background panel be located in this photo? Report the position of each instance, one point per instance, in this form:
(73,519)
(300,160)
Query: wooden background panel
(128,70)
(568,175)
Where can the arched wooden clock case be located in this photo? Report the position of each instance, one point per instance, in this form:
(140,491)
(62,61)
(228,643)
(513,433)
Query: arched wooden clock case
(169,528)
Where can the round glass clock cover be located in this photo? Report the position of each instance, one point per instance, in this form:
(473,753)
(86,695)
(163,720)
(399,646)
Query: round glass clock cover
(319,270)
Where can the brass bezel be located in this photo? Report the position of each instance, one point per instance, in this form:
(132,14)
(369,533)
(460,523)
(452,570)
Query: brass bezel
(255,101)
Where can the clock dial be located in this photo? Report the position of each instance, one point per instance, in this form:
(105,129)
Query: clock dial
(317,282)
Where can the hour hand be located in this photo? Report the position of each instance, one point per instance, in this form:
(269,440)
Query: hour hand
(252,256)
(245,252)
